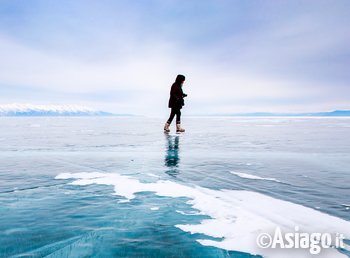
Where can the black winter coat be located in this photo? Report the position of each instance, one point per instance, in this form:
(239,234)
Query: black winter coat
(176,96)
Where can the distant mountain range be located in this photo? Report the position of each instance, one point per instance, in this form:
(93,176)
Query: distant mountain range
(49,110)
(331,113)
(75,110)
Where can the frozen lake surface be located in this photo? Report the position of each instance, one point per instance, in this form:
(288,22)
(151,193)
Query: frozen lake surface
(119,187)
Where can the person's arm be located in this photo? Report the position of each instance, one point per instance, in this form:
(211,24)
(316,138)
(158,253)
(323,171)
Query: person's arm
(183,95)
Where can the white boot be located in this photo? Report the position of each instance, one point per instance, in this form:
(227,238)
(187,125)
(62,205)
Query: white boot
(179,129)
(166,127)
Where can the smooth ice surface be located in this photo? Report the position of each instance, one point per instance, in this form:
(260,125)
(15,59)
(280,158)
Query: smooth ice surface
(119,187)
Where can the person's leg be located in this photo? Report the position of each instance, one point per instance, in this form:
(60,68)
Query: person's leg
(178,116)
(178,122)
(172,115)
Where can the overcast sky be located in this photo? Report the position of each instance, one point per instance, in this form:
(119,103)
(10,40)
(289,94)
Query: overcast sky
(122,56)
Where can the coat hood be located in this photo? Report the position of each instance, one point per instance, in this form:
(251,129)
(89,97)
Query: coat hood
(179,78)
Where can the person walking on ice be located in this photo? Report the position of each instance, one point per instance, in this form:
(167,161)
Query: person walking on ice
(176,102)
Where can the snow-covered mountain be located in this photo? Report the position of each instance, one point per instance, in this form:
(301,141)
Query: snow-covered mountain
(48,110)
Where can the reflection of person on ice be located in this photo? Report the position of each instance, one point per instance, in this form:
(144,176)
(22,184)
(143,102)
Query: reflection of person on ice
(176,102)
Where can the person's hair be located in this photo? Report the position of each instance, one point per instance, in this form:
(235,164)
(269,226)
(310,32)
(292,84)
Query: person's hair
(180,78)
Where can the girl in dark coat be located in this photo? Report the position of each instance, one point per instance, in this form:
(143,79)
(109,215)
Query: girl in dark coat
(176,102)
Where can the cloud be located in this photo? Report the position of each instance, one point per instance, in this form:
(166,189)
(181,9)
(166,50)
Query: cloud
(237,56)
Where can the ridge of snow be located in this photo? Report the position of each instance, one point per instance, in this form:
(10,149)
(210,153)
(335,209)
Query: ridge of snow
(17,109)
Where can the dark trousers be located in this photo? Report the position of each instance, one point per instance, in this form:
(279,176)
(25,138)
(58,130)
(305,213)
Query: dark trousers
(177,112)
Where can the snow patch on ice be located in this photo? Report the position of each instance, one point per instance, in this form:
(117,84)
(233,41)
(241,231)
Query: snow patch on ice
(152,175)
(249,176)
(235,216)
(188,213)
